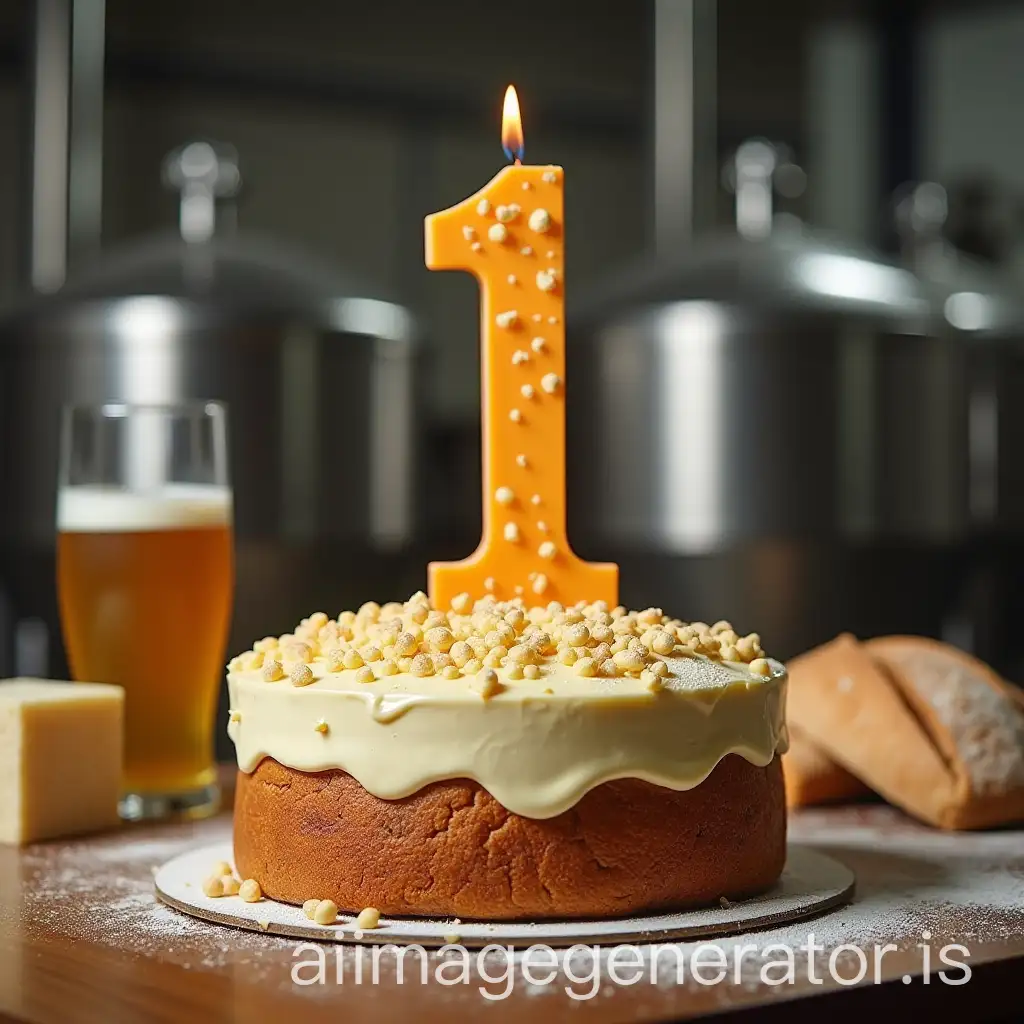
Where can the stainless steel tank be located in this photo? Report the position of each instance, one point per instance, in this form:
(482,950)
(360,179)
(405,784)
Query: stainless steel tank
(771,427)
(318,372)
(984,306)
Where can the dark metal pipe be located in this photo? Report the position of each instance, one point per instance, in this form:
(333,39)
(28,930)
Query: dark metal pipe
(899,28)
(66,146)
(46,244)
(685,119)
(85,152)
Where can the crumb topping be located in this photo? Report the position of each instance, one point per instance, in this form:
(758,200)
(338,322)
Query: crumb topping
(473,639)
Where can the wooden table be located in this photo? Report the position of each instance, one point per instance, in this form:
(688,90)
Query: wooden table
(82,939)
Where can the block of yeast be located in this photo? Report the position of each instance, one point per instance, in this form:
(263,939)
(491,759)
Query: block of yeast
(931,729)
(812,777)
(60,758)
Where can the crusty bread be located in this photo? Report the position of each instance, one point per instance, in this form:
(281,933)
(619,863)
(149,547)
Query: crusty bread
(930,728)
(974,719)
(452,849)
(812,777)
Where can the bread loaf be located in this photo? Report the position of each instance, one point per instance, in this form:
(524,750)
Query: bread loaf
(812,777)
(930,728)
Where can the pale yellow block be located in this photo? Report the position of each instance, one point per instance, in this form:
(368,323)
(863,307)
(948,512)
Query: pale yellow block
(60,758)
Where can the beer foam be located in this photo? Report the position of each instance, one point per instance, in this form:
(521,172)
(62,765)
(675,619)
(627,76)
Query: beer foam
(113,510)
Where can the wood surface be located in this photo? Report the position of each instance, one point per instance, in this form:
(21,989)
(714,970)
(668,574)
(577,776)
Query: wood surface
(65,958)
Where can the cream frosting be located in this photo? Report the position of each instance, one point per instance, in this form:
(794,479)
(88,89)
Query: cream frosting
(537,746)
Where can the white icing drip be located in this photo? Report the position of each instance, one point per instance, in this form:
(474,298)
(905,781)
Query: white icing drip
(536,752)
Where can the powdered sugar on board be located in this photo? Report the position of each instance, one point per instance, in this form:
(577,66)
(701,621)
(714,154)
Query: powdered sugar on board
(915,886)
(962,887)
(907,869)
(100,889)
(810,884)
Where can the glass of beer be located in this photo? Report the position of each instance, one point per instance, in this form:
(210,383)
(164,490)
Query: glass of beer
(145,579)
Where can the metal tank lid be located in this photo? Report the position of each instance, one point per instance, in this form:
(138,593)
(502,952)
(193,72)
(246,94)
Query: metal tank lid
(222,277)
(790,270)
(776,265)
(771,265)
(979,301)
(245,276)
(246,268)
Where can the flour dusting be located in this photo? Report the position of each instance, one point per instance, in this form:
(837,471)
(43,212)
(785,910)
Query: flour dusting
(960,887)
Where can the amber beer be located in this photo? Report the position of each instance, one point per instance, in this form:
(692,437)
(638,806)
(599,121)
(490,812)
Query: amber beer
(145,583)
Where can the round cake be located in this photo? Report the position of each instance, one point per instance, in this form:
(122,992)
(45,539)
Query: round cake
(496,761)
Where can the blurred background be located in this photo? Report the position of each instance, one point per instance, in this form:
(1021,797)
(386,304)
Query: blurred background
(796,252)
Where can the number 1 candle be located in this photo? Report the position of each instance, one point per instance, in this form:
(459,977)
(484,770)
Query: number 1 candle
(510,235)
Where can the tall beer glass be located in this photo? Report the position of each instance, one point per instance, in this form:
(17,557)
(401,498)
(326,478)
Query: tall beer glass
(145,580)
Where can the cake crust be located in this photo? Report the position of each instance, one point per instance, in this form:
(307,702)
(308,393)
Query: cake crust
(451,849)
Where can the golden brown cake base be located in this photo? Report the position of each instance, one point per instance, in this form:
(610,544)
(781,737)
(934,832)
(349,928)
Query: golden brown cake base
(452,850)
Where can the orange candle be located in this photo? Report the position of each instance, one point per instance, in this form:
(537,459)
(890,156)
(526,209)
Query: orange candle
(510,235)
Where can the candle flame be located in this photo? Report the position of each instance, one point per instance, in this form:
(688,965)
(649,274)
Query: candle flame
(512,127)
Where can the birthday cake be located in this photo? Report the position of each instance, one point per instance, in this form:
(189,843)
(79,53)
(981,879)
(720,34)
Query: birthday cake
(498,761)
(474,754)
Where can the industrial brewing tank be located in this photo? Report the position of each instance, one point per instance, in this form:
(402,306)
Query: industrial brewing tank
(318,373)
(772,427)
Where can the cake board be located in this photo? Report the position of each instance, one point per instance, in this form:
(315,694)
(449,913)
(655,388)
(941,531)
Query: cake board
(811,884)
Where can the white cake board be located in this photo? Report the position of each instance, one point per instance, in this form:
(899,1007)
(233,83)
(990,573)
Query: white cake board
(810,884)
